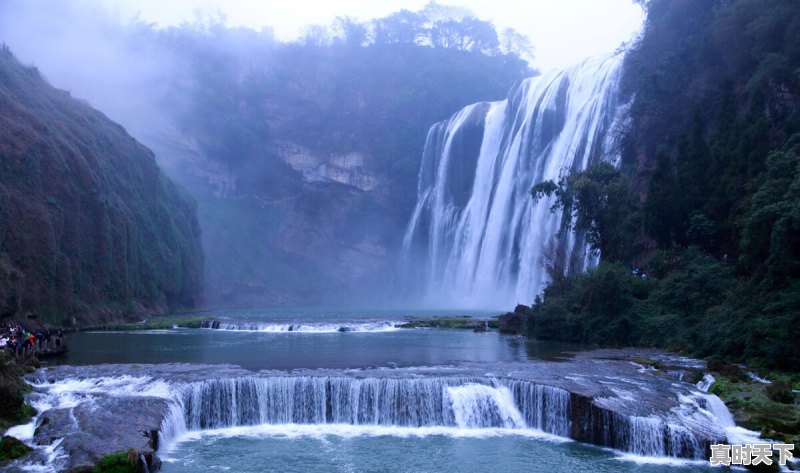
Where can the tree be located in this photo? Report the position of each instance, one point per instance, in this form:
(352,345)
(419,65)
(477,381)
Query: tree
(403,27)
(770,249)
(350,32)
(469,34)
(601,203)
(316,35)
(515,43)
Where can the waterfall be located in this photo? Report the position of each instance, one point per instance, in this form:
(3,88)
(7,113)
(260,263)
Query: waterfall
(474,404)
(476,238)
(410,402)
(456,402)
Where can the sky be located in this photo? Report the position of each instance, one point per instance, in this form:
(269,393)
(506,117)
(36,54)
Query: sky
(562,31)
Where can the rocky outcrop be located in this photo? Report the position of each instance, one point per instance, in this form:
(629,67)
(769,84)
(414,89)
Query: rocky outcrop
(514,322)
(356,169)
(90,229)
(107,426)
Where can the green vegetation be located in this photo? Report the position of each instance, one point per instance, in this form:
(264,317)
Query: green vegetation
(714,151)
(11,449)
(13,409)
(155,323)
(120,462)
(464,322)
(768,408)
(90,230)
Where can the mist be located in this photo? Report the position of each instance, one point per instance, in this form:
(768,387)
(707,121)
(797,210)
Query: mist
(303,155)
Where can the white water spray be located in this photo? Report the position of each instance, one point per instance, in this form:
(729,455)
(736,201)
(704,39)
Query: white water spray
(476,237)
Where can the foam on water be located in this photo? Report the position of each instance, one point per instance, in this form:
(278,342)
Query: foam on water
(305,327)
(408,406)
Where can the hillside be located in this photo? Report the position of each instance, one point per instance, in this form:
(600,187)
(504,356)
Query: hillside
(705,204)
(90,229)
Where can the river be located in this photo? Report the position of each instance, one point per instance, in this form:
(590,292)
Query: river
(375,398)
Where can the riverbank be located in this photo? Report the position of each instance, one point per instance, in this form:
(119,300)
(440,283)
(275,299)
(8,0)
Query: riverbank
(767,404)
(13,409)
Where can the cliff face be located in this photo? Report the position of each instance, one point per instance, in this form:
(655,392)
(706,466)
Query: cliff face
(304,162)
(90,229)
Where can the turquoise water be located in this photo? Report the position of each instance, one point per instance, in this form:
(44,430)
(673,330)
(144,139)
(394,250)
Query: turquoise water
(293,350)
(347,448)
(348,451)
(257,351)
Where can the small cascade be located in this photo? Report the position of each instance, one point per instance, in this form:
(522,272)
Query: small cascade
(705,383)
(653,437)
(478,405)
(145,468)
(273,327)
(722,416)
(544,407)
(720,411)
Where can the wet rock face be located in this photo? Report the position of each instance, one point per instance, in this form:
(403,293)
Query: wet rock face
(107,426)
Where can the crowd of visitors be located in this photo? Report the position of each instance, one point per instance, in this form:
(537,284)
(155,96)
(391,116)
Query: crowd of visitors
(20,342)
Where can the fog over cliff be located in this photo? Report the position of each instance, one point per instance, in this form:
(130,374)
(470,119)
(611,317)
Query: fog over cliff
(303,156)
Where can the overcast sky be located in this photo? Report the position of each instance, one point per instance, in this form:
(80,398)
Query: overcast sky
(561,31)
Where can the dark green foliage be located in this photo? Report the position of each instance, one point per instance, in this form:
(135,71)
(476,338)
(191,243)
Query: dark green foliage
(12,448)
(120,462)
(13,409)
(89,227)
(770,247)
(714,123)
(602,205)
(716,89)
(600,307)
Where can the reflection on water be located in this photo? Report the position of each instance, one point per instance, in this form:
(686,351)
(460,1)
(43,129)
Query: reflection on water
(290,350)
(256,350)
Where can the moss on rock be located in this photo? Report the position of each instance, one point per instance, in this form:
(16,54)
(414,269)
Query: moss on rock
(12,448)
(120,462)
(753,407)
